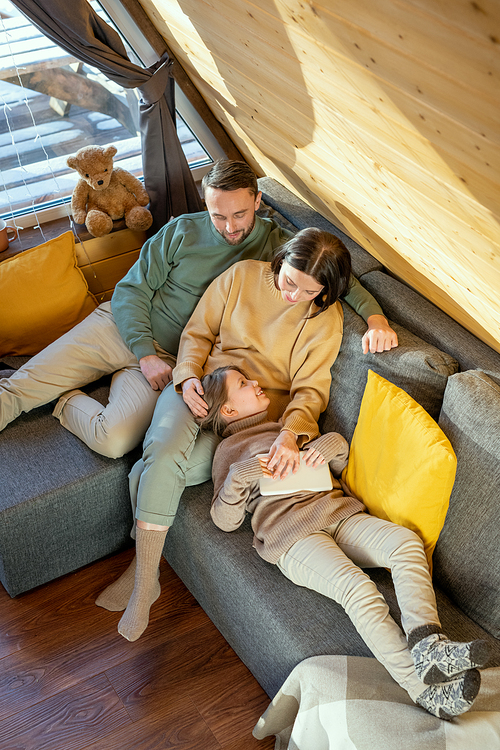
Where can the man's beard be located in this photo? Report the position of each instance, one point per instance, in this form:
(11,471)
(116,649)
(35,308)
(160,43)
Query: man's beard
(241,238)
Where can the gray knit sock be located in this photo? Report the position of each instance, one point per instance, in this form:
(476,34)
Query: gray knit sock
(437,659)
(451,698)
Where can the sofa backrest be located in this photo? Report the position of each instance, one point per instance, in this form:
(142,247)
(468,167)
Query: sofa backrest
(414,365)
(467,555)
(456,378)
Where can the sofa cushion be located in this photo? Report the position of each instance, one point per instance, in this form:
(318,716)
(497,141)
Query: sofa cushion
(43,294)
(401,464)
(271,623)
(415,366)
(301,216)
(467,555)
(62,506)
(421,317)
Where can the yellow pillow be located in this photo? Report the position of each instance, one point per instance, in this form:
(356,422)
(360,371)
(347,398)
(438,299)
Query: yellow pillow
(43,294)
(401,464)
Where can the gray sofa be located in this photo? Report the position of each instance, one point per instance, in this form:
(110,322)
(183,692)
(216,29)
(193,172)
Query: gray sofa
(62,506)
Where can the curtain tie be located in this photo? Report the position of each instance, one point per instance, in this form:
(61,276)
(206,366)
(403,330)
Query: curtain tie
(154,88)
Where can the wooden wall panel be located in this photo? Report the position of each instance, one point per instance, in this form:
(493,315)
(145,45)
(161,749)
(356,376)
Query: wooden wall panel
(383,115)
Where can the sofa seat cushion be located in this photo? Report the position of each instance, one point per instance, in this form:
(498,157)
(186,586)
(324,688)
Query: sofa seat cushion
(271,623)
(62,506)
(466,559)
(415,366)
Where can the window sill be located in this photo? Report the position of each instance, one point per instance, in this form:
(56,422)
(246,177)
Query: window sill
(29,238)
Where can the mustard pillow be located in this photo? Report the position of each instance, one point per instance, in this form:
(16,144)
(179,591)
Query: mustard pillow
(43,294)
(401,464)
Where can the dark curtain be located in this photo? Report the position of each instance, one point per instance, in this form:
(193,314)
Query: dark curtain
(74,26)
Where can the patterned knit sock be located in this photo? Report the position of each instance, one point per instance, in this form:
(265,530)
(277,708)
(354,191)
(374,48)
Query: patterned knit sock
(451,698)
(149,546)
(438,659)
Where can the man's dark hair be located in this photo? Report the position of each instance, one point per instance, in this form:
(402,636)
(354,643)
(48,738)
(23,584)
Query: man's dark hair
(227,174)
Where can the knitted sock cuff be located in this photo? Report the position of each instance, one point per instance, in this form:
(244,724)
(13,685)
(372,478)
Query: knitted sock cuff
(423,631)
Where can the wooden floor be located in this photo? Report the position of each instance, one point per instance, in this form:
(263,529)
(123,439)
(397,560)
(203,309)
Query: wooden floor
(69,681)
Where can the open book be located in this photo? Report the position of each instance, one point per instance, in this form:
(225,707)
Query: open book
(307,479)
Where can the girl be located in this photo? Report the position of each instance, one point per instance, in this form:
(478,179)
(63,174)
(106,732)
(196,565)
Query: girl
(318,540)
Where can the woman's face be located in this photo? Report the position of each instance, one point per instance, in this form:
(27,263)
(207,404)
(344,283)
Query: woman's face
(244,397)
(297,286)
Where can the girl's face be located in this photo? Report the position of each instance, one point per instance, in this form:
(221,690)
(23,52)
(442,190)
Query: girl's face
(244,397)
(297,286)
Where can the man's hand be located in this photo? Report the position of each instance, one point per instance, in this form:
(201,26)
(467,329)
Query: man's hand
(379,337)
(192,392)
(157,372)
(284,455)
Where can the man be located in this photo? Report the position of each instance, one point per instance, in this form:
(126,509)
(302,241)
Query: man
(174,453)
(136,336)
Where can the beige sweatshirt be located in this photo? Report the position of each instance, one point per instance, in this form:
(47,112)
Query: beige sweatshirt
(278,521)
(242,319)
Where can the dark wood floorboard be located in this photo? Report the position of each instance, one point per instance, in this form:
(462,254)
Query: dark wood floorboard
(69,681)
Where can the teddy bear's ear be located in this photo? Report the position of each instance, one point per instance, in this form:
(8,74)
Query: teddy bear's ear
(110,151)
(71,162)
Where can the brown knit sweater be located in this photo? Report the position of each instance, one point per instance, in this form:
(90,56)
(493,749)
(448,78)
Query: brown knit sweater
(278,521)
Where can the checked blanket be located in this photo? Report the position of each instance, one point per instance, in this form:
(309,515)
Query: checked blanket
(352,703)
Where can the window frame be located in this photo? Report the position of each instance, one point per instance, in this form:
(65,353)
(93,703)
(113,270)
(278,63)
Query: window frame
(147,57)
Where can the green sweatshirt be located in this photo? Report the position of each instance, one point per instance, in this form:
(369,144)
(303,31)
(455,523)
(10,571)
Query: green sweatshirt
(157,296)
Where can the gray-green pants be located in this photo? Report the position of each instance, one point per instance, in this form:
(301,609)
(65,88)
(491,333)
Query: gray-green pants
(176,455)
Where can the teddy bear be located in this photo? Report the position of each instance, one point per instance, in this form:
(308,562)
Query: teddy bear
(106,193)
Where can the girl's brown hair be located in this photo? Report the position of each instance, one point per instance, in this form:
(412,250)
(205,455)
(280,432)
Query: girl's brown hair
(215,396)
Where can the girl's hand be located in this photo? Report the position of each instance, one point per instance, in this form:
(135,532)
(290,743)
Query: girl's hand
(284,455)
(314,458)
(192,392)
(263,465)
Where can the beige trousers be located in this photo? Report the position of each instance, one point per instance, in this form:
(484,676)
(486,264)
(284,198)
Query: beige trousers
(90,350)
(330,562)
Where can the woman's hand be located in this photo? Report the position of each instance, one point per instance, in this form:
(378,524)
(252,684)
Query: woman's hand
(284,455)
(379,337)
(192,392)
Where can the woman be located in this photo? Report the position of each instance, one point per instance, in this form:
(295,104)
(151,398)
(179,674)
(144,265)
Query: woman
(318,540)
(285,318)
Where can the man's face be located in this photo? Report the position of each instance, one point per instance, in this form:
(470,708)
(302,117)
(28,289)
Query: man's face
(232,212)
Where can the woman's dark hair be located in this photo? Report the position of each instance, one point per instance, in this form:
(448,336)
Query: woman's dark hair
(227,174)
(215,396)
(321,255)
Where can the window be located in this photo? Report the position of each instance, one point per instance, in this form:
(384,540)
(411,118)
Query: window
(63,105)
